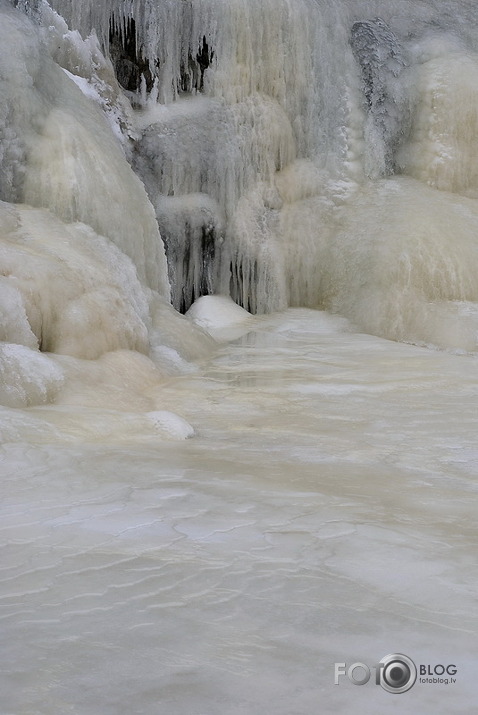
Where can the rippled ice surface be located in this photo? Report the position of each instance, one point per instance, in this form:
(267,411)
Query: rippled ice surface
(325,511)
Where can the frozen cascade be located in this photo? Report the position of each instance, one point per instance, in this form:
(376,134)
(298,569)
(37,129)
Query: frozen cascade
(264,165)
(234,101)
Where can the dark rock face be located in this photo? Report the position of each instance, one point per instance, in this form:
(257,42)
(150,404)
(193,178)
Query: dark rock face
(192,75)
(28,6)
(379,54)
(191,264)
(192,230)
(381,57)
(128,61)
(242,287)
(131,65)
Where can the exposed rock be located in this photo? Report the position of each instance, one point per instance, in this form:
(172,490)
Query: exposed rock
(382,60)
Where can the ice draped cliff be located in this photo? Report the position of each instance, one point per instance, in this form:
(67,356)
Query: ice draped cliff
(253,223)
(281,152)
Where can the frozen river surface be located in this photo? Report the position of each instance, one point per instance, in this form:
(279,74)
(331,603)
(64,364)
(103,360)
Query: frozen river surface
(324,512)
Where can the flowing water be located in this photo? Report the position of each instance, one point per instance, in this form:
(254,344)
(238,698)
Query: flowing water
(202,514)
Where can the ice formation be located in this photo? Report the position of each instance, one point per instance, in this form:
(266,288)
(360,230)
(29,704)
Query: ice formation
(309,161)
(281,153)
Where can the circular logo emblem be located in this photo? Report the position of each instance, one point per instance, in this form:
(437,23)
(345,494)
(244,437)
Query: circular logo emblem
(398,673)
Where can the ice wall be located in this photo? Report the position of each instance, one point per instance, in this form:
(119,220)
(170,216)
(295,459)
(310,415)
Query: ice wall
(237,96)
(258,120)
(292,152)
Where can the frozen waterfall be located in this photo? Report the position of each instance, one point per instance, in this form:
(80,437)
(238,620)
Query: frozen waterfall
(258,129)
(238,344)
(269,136)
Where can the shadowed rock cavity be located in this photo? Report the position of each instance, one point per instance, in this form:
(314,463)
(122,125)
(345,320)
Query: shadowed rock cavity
(192,75)
(128,61)
(192,229)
